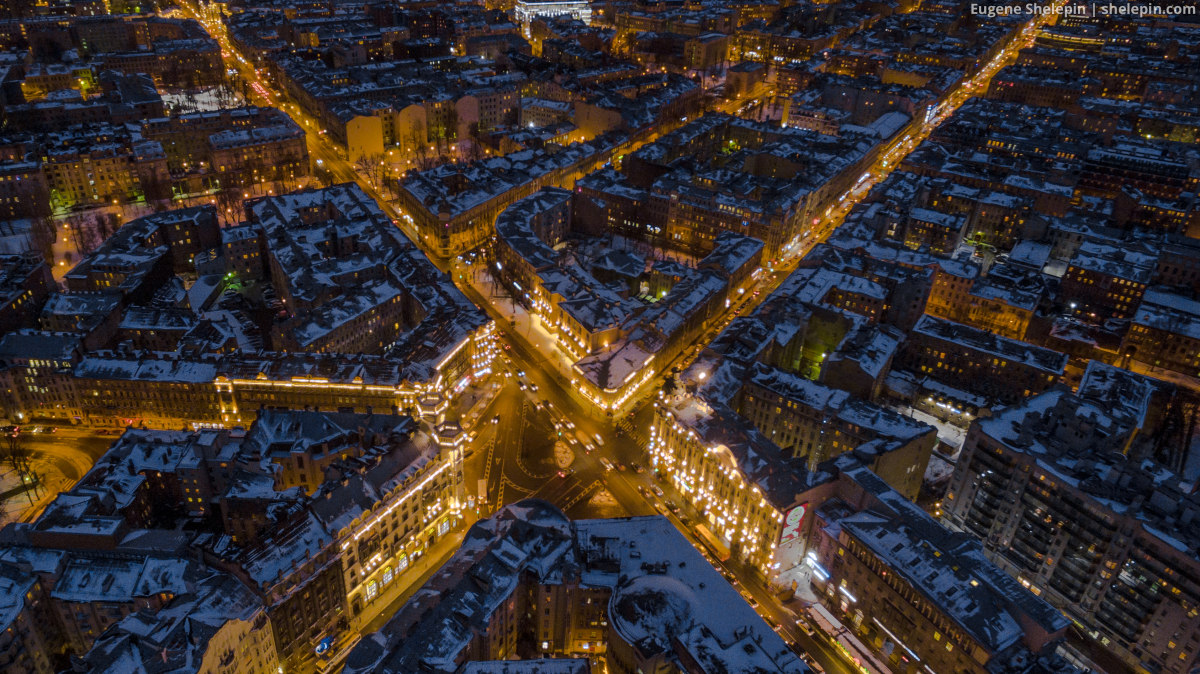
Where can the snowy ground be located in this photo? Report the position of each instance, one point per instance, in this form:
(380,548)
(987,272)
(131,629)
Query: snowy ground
(603,504)
(563,456)
(938,469)
(199,100)
(949,434)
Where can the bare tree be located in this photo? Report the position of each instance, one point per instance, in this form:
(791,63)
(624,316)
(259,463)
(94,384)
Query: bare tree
(371,167)
(20,458)
(229,204)
(448,133)
(364,166)
(474,147)
(80,236)
(418,140)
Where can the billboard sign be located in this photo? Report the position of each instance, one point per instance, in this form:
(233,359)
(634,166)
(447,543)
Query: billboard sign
(791,524)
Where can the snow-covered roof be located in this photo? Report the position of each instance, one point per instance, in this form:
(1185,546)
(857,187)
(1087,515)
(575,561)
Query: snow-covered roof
(661,591)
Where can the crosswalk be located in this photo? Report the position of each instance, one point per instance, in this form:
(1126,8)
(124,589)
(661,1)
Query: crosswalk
(625,427)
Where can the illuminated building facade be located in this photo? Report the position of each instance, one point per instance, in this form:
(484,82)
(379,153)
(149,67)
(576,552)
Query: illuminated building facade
(223,392)
(100,168)
(375,294)
(613,338)
(629,594)
(36,374)
(926,598)
(527,10)
(1107,281)
(1165,332)
(720,482)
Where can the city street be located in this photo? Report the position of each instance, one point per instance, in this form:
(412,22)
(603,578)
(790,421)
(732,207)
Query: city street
(60,459)
(514,457)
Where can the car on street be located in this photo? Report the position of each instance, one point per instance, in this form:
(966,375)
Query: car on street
(496,419)
(811,662)
(606,463)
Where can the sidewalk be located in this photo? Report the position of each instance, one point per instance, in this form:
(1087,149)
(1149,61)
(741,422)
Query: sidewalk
(17,499)
(393,598)
(517,320)
(469,406)
(24,505)
(531,328)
